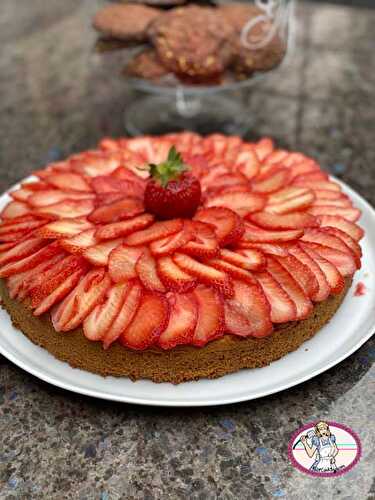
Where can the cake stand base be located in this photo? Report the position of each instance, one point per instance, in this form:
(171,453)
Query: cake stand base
(154,115)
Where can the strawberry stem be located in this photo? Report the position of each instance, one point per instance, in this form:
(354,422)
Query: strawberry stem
(169,170)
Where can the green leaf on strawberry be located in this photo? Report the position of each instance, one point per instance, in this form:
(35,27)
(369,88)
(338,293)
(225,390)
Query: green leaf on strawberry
(170,169)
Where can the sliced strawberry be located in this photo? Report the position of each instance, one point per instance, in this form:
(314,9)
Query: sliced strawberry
(35,186)
(248,312)
(108,144)
(228,225)
(267,248)
(291,287)
(323,236)
(251,260)
(264,148)
(182,320)
(301,273)
(212,173)
(67,181)
(324,289)
(173,276)
(228,180)
(94,163)
(4,247)
(150,320)
(122,261)
(300,202)
(21,250)
(286,194)
(332,275)
(340,202)
(294,158)
(15,236)
(125,227)
(20,194)
(108,198)
(272,181)
(325,194)
(343,261)
(125,174)
(157,231)
(204,242)
(98,254)
(59,293)
(348,240)
(14,209)
(99,321)
(315,176)
(109,184)
(63,228)
(283,309)
(255,234)
(277,156)
(21,226)
(297,220)
(169,244)
(30,261)
(240,202)
(305,167)
(210,320)
(232,270)
(118,210)
(126,313)
(247,162)
(350,214)
(20,284)
(313,185)
(53,196)
(145,268)
(204,273)
(79,242)
(344,225)
(90,291)
(42,284)
(70,209)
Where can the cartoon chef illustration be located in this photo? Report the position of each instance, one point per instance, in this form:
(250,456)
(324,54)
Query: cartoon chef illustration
(322,444)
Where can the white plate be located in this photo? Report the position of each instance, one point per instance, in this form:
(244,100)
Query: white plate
(351,326)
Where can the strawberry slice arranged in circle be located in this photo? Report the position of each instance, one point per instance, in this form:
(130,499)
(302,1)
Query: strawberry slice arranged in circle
(15,209)
(273,180)
(255,234)
(79,242)
(204,242)
(296,220)
(63,228)
(242,203)
(125,227)
(251,260)
(169,244)
(99,321)
(145,268)
(98,254)
(81,301)
(174,277)
(228,225)
(301,273)
(156,231)
(291,287)
(70,209)
(124,208)
(210,319)
(122,261)
(344,225)
(150,320)
(248,312)
(130,304)
(330,271)
(182,320)
(283,309)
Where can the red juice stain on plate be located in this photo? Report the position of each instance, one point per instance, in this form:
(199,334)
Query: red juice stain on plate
(360,289)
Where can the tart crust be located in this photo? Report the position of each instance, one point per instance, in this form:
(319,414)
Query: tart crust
(225,355)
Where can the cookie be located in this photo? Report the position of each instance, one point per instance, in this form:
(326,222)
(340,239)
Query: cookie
(247,60)
(146,65)
(193,41)
(126,22)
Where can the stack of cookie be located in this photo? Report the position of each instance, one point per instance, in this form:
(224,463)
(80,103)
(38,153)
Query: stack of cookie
(198,44)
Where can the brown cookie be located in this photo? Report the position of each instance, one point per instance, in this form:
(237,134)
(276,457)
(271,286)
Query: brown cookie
(146,65)
(193,41)
(247,60)
(125,22)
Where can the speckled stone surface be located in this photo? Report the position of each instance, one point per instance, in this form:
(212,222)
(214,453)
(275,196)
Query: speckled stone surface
(57,97)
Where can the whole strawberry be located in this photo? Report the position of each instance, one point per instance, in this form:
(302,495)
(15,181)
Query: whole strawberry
(171,190)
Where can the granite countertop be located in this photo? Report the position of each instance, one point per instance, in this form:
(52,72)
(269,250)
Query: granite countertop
(58,97)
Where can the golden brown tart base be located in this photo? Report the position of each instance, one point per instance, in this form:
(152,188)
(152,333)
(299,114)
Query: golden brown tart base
(225,355)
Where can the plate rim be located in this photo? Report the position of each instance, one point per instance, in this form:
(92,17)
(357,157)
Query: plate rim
(100,394)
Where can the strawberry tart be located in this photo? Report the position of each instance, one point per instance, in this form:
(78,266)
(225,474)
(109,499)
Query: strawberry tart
(177,257)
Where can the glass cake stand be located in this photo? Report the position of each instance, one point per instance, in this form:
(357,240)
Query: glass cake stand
(169,105)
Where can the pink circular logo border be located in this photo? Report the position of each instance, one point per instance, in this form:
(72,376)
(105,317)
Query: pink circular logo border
(324,474)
